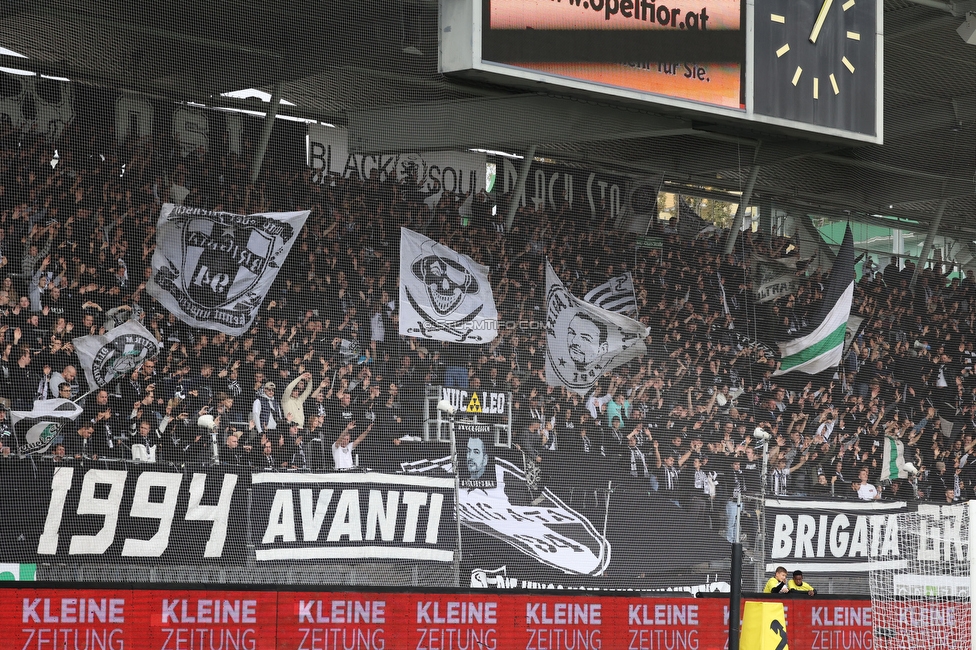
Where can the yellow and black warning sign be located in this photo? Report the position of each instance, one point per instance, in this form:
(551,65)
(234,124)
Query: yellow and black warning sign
(764,626)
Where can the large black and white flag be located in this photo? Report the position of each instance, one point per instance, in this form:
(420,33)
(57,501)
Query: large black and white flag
(116,353)
(616,295)
(584,341)
(38,428)
(213,269)
(444,295)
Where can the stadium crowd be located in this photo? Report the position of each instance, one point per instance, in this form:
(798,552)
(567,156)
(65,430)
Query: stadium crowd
(323,379)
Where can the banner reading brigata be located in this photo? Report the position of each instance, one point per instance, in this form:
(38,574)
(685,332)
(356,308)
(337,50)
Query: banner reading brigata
(178,619)
(834,537)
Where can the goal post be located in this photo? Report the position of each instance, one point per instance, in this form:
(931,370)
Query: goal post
(923,600)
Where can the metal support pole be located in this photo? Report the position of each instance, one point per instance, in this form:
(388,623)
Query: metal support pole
(929,238)
(743,202)
(762,512)
(972,573)
(519,187)
(735,591)
(269,119)
(457,502)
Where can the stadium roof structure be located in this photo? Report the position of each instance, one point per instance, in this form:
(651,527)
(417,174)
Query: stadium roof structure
(373,66)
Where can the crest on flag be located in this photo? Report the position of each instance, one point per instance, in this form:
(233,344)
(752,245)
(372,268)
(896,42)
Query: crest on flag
(444,295)
(584,341)
(38,428)
(616,295)
(213,269)
(116,353)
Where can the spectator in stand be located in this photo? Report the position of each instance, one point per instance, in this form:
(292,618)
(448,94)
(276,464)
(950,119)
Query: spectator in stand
(293,402)
(266,411)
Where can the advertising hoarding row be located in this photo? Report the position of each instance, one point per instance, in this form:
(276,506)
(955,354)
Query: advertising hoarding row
(167,619)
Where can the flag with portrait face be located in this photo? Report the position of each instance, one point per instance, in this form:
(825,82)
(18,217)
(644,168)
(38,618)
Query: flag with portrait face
(584,341)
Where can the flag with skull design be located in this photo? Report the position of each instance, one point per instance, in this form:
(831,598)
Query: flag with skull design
(444,295)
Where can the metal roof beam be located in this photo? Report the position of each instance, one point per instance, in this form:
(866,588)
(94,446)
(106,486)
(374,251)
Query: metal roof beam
(500,123)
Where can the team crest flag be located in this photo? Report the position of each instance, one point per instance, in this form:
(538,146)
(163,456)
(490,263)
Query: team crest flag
(584,341)
(820,345)
(38,428)
(444,295)
(213,269)
(616,295)
(116,353)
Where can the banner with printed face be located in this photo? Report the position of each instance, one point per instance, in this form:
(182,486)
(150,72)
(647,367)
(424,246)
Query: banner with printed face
(584,341)
(352,516)
(213,269)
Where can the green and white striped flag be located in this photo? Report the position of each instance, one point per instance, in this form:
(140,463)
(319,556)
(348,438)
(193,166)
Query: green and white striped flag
(820,345)
(893,460)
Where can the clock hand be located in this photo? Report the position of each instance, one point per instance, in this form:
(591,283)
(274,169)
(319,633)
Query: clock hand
(820,20)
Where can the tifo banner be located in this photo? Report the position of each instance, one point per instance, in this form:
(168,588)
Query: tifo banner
(591,193)
(172,619)
(834,536)
(432,172)
(476,401)
(444,295)
(557,532)
(134,514)
(353,516)
(213,269)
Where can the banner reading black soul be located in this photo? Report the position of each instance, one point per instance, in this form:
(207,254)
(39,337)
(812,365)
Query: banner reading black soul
(127,513)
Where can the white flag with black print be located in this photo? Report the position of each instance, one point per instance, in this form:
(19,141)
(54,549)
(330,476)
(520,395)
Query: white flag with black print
(38,428)
(213,269)
(444,295)
(584,341)
(106,357)
(616,295)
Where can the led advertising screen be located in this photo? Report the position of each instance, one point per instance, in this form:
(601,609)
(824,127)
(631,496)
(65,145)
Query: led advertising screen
(684,49)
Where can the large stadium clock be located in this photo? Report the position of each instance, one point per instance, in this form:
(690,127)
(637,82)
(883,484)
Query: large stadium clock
(816,61)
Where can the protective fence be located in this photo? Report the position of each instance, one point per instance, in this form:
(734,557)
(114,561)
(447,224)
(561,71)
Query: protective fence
(427,368)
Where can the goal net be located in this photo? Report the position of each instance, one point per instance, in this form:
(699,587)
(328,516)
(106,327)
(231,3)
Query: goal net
(923,600)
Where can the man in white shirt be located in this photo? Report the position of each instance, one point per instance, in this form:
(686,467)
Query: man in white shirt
(866,492)
(342,448)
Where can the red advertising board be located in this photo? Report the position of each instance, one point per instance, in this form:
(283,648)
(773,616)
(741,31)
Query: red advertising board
(166,619)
